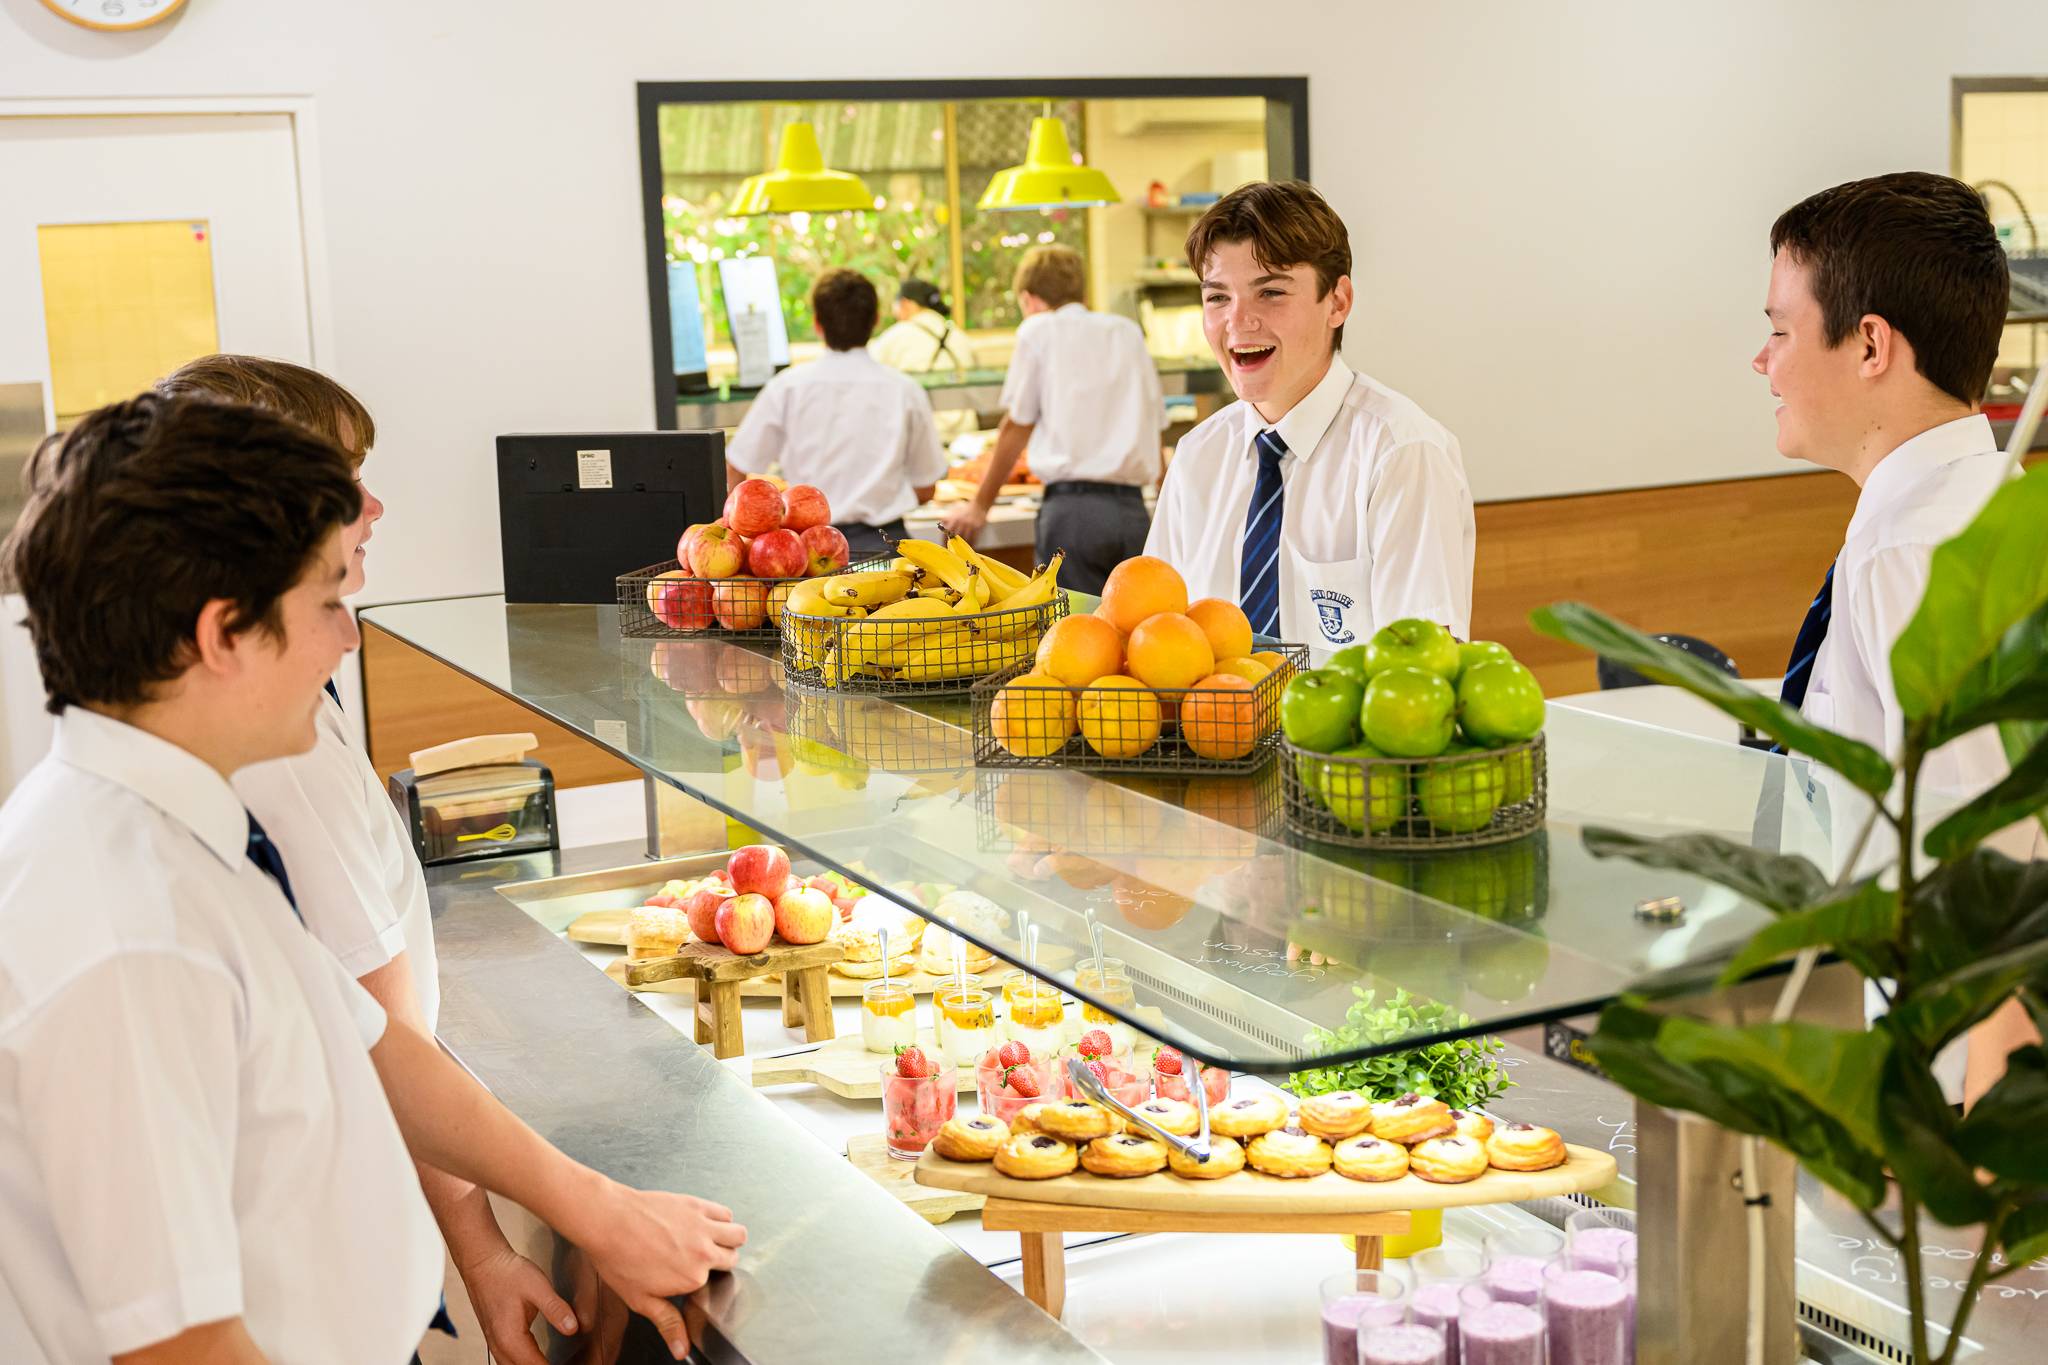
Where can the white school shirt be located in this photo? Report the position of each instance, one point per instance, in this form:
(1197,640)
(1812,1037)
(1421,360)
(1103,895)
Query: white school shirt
(1086,386)
(358,882)
(1377,517)
(190,1125)
(929,343)
(859,431)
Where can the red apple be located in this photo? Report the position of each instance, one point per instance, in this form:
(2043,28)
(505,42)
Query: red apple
(827,549)
(841,899)
(687,540)
(680,602)
(778,554)
(740,603)
(804,506)
(700,907)
(804,916)
(762,869)
(754,507)
(746,923)
(717,552)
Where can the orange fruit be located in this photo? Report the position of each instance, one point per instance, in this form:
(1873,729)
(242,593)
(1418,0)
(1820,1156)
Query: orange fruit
(1274,659)
(1245,666)
(1169,650)
(1141,587)
(1229,629)
(1119,716)
(1032,716)
(1080,649)
(1220,718)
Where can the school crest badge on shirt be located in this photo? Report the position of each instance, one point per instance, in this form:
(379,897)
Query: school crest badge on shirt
(1330,615)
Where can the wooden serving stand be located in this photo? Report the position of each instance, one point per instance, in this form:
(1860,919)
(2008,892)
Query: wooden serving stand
(1041,1211)
(719,973)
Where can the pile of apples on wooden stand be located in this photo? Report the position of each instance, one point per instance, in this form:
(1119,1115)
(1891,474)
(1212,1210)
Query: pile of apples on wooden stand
(755,900)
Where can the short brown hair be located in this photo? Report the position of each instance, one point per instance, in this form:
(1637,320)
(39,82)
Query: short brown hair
(1054,273)
(305,396)
(146,511)
(846,307)
(1918,250)
(1288,224)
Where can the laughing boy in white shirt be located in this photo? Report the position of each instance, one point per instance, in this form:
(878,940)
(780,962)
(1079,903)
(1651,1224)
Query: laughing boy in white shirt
(1322,502)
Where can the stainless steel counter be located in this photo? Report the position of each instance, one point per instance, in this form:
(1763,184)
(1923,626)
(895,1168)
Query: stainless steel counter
(834,1268)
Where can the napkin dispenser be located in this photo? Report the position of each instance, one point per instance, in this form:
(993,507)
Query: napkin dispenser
(477,798)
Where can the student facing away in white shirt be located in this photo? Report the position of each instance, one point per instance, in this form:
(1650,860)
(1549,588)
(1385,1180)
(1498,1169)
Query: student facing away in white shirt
(1322,502)
(1886,300)
(197,1136)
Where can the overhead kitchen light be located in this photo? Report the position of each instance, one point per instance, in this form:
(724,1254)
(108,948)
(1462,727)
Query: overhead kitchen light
(800,183)
(1050,178)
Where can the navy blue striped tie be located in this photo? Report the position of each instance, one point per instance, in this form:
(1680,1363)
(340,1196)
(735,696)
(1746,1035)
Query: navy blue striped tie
(1258,561)
(1806,648)
(264,854)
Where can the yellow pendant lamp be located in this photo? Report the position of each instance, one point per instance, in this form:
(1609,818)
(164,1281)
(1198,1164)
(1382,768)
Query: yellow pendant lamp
(1049,177)
(800,183)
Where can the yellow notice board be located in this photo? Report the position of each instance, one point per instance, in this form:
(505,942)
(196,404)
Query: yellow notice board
(124,304)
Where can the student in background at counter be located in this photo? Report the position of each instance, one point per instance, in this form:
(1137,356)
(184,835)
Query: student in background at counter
(846,423)
(923,340)
(1084,395)
(357,881)
(1322,502)
(206,1125)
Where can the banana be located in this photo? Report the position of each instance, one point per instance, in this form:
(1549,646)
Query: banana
(948,659)
(1037,593)
(902,564)
(940,593)
(868,587)
(982,590)
(808,598)
(940,563)
(860,643)
(1003,580)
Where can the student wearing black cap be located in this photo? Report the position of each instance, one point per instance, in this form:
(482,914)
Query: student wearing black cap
(923,340)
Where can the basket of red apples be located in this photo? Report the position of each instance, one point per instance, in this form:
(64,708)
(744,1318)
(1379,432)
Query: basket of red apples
(751,903)
(730,577)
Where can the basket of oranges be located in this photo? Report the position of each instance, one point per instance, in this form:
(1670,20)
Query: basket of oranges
(1148,682)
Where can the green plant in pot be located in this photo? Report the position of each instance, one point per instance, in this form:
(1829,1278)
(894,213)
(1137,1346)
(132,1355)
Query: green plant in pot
(1952,932)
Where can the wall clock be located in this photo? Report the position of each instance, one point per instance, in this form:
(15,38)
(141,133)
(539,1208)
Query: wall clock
(115,16)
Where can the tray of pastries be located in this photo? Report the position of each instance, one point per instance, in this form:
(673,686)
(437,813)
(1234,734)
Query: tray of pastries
(1338,1153)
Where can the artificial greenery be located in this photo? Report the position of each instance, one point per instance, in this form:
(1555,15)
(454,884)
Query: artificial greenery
(1463,1074)
(1952,934)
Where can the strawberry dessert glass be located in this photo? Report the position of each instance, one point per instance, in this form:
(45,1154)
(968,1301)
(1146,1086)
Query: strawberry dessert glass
(1009,1077)
(1170,1073)
(917,1099)
(1115,1070)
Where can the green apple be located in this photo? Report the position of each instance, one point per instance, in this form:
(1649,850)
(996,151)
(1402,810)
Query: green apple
(1482,651)
(1461,797)
(1350,661)
(1319,710)
(1519,771)
(1408,713)
(1412,643)
(1471,879)
(1500,703)
(1344,789)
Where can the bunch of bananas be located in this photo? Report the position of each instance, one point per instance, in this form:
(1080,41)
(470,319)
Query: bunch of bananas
(938,612)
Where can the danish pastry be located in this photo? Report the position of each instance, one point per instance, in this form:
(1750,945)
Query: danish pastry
(1290,1153)
(1025,1120)
(1412,1119)
(1339,1114)
(1448,1160)
(1472,1124)
(1035,1156)
(1177,1117)
(1076,1120)
(1248,1116)
(1525,1147)
(1366,1157)
(1126,1154)
(971,1139)
(656,931)
(1226,1157)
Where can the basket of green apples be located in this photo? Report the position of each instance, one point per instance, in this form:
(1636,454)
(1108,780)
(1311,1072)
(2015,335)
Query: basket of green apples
(1414,741)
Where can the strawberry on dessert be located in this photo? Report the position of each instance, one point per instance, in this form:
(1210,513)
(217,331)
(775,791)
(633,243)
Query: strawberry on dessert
(1170,1078)
(917,1099)
(1009,1077)
(1128,1086)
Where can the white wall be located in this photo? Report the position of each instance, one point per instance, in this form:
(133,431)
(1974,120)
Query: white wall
(1558,210)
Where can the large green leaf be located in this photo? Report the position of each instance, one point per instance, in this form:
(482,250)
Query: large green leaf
(2025,1235)
(1856,926)
(1779,882)
(1835,1071)
(2022,792)
(1862,765)
(1920,1142)
(2010,683)
(1940,1011)
(1631,1046)
(2007,1131)
(1984,903)
(2022,737)
(1979,585)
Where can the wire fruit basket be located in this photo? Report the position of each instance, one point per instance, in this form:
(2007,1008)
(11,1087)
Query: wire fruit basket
(1460,800)
(1128,727)
(920,651)
(663,602)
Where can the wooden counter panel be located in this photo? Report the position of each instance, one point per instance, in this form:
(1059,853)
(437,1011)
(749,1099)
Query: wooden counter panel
(414,701)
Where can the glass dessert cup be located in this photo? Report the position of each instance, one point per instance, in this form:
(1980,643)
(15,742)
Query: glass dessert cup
(1005,1096)
(1173,1085)
(1105,979)
(1034,1013)
(1129,1084)
(888,1017)
(914,1108)
(966,1023)
(1354,1303)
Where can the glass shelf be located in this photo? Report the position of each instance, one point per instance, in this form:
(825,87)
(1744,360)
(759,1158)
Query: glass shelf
(1240,940)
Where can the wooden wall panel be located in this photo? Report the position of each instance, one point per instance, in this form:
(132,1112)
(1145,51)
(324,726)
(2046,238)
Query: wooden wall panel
(415,701)
(1735,563)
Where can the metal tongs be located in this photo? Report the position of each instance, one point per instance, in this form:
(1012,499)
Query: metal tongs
(1085,1082)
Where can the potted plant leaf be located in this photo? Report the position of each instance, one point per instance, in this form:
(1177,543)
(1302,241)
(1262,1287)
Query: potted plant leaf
(1951,931)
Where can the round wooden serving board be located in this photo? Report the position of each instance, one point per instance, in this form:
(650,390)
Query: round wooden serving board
(1249,1192)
